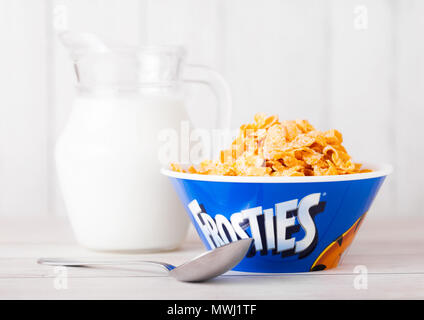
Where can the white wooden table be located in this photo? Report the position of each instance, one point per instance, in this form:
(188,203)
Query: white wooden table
(391,249)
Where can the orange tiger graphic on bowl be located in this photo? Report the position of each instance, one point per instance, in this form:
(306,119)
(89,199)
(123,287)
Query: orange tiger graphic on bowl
(331,256)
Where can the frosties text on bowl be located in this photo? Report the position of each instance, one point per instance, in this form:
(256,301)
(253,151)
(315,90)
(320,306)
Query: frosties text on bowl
(270,230)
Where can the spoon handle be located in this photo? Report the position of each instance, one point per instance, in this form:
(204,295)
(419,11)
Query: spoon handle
(82,263)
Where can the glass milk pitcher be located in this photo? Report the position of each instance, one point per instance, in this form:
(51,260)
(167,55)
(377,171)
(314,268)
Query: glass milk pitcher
(107,155)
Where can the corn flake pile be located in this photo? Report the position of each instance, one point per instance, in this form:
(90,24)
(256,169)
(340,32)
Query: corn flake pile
(268,147)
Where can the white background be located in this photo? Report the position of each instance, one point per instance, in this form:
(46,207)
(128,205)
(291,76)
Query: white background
(296,58)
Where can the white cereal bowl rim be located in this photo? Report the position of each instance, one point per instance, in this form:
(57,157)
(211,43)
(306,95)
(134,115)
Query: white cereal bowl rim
(380,170)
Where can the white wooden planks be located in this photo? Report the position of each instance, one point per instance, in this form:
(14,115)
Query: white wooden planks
(23,108)
(409,112)
(199,27)
(275,58)
(362,66)
(393,260)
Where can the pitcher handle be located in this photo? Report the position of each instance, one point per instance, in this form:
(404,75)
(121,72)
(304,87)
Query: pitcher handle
(220,88)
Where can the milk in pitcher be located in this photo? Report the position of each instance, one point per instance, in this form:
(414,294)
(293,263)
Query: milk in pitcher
(107,159)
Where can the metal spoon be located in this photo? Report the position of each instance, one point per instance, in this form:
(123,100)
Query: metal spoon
(206,266)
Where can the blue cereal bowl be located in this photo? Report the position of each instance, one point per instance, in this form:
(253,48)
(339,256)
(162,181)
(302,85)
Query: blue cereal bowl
(298,224)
